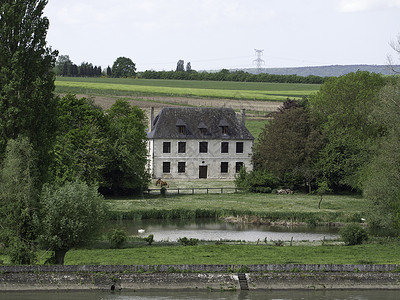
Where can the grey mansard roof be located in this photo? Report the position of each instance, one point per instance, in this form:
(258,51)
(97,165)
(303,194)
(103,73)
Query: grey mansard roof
(199,123)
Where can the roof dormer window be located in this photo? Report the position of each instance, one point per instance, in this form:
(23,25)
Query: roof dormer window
(181,129)
(202,128)
(224,127)
(181,126)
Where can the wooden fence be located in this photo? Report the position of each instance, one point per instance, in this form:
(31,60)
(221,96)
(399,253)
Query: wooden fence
(192,191)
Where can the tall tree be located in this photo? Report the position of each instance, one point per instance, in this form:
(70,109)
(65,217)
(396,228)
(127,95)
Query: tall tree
(81,142)
(123,67)
(18,200)
(127,169)
(381,183)
(396,47)
(288,145)
(62,65)
(180,66)
(27,103)
(342,108)
(188,67)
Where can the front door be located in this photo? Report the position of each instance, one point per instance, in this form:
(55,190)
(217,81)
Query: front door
(202,171)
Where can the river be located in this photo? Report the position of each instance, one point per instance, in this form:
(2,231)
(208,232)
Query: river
(193,295)
(215,230)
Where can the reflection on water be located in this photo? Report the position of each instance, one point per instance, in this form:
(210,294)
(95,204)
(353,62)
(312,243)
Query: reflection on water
(192,295)
(211,229)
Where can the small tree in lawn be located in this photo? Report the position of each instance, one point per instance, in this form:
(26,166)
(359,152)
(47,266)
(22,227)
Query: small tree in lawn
(323,188)
(71,215)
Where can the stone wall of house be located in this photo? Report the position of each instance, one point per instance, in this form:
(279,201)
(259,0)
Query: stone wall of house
(194,159)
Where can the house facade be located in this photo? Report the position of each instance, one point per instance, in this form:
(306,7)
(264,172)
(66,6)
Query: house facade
(191,143)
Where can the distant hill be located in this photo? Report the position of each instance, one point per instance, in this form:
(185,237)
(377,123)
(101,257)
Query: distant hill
(324,71)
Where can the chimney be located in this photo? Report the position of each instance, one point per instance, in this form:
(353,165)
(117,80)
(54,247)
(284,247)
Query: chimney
(244,116)
(151,119)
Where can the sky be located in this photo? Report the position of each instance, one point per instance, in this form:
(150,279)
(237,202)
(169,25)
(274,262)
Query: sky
(217,34)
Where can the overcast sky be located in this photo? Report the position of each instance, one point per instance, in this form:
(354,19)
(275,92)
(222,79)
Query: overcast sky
(216,34)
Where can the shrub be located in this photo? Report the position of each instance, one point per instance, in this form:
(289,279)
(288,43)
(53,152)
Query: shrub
(117,238)
(188,242)
(149,239)
(279,243)
(353,234)
(256,181)
(261,189)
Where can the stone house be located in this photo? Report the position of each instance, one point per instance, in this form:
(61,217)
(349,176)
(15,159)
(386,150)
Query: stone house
(191,143)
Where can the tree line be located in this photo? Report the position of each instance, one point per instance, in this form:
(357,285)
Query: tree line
(122,67)
(226,75)
(65,67)
(341,139)
(125,67)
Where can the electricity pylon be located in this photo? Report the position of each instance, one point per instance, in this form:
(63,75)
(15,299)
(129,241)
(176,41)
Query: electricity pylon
(259,61)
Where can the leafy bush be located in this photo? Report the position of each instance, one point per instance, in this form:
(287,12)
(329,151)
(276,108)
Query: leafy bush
(256,181)
(149,239)
(353,234)
(261,189)
(188,242)
(279,243)
(117,238)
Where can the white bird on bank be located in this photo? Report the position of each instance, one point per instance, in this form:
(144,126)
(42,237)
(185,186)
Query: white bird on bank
(141,230)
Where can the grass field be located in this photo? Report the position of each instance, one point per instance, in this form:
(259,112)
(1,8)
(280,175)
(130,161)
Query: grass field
(374,252)
(255,126)
(182,88)
(370,253)
(297,207)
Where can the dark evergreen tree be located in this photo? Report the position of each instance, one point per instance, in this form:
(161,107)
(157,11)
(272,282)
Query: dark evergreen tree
(288,146)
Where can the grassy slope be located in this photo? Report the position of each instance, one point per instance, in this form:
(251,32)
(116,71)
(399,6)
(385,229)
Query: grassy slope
(216,89)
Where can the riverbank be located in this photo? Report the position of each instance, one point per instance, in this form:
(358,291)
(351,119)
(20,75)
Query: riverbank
(202,277)
(291,209)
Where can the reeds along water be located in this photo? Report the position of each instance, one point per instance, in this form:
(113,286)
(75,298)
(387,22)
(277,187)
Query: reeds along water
(311,218)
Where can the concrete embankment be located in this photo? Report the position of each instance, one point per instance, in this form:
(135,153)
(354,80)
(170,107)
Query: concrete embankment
(216,277)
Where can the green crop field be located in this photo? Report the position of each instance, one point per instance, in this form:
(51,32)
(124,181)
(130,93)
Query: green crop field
(182,88)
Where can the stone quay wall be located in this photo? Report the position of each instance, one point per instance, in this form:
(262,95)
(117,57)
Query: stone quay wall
(215,277)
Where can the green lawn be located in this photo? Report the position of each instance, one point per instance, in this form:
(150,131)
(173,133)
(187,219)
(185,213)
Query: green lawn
(185,88)
(373,253)
(299,207)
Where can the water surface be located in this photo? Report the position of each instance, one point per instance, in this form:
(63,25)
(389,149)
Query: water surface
(214,230)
